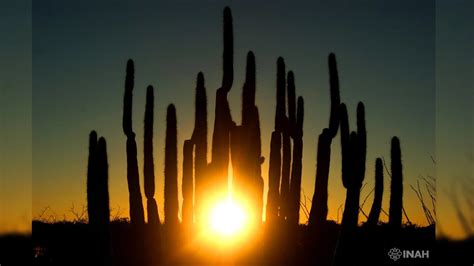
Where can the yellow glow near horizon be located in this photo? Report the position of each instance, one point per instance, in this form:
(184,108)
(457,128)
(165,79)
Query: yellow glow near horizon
(227,219)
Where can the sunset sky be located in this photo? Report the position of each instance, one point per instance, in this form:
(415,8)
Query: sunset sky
(386,55)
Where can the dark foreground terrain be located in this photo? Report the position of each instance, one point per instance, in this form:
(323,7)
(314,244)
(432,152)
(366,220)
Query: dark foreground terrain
(75,244)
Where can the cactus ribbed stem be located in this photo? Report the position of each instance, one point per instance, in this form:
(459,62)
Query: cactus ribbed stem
(335,96)
(378,194)
(199,138)
(148,164)
(135,197)
(171,168)
(188,184)
(319,207)
(396,188)
(274,171)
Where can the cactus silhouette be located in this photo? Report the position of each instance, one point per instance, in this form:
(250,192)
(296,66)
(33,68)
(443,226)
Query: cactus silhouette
(246,146)
(249,89)
(335,98)
(135,197)
(188,184)
(360,159)
(353,149)
(98,199)
(280,113)
(92,180)
(171,168)
(296,168)
(284,127)
(223,119)
(97,182)
(199,138)
(319,207)
(274,171)
(103,180)
(291,103)
(378,194)
(148,165)
(285,175)
(228,54)
(396,188)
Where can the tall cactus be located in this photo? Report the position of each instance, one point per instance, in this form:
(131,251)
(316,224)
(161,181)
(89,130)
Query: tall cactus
(249,90)
(171,168)
(188,184)
(274,171)
(282,125)
(378,194)
(199,138)
(285,175)
(335,97)
(319,208)
(92,180)
(280,113)
(223,119)
(246,146)
(135,197)
(148,165)
(103,182)
(256,164)
(98,199)
(228,54)
(291,103)
(97,182)
(353,163)
(353,149)
(396,188)
(361,142)
(296,168)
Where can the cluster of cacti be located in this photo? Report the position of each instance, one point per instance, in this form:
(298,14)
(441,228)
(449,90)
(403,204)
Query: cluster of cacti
(283,200)
(202,182)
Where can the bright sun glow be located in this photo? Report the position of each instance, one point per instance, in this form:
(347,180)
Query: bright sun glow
(227,218)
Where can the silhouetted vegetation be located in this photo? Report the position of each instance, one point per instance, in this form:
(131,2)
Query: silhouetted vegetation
(199,139)
(223,122)
(246,148)
(171,168)
(188,183)
(319,207)
(148,164)
(278,240)
(135,196)
(378,194)
(396,188)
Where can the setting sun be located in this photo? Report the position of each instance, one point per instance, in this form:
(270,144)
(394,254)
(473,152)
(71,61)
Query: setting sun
(227,218)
